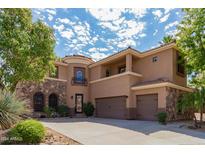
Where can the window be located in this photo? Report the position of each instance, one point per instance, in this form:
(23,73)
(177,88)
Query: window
(180,65)
(154,59)
(122,69)
(107,73)
(79,74)
(55,73)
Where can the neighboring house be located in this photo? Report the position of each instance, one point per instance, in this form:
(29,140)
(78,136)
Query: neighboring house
(125,85)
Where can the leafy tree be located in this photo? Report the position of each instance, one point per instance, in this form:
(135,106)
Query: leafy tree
(26,48)
(167,39)
(191,43)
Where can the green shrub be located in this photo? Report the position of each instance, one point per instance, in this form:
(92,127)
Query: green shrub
(11,109)
(27,132)
(63,110)
(50,112)
(88,109)
(162,117)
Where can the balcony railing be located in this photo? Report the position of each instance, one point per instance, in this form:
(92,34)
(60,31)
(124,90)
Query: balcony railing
(76,81)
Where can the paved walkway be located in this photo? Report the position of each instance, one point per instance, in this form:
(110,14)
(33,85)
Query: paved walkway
(112,131)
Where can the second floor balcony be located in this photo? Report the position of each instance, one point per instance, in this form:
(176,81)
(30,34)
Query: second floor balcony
(79,81)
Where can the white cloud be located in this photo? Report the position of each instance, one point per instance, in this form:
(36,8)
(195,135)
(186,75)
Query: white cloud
(167,10)
(155,32)
(67,34)
(127,30)
(157,13)
(79,32)
(172,32)
(109,25)
(132,28)
(92,49)
(97,56)
(97,49)
(175,23)
(50,17)
(126,43)
(65,21)
(137,12)
(142,35)
(59,28)
(164,18)
(51,11)
(105,14)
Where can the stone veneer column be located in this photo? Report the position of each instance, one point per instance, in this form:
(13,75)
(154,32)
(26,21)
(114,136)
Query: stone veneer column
(128,62)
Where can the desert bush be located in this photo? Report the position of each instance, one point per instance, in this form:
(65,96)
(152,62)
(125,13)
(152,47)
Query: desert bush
(11,109)
(27,132)
(88,109)
(162,117)
(63,110)
(50,112)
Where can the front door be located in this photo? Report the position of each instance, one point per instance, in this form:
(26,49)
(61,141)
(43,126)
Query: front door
(78,103)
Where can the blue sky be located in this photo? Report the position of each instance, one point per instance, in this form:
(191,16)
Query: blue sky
(98,33)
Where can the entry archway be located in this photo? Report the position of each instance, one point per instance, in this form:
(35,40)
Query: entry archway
(38,102)
(53,101)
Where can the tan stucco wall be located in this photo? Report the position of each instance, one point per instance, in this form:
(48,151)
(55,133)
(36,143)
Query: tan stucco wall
(162,93)
(62,72)
(118,86)
(152,71)
(76,89)
(95,72)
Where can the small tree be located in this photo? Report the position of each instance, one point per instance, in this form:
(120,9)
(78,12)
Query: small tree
(167,39)
(187,104)
(193,102)
(26,48)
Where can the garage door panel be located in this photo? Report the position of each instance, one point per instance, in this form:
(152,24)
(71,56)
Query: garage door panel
(147,106)
(113,107)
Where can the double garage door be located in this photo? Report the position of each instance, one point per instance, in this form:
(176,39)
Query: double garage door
(115,107)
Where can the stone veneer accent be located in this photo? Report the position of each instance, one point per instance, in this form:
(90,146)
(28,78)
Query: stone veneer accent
(171,104)
(26,90)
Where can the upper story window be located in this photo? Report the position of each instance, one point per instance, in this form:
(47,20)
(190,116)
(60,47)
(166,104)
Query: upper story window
(55,73)
(154,59)
(122,69)
(79,74)
(180,65)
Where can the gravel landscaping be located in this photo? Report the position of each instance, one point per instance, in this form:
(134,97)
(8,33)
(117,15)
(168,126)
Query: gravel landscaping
(55,138)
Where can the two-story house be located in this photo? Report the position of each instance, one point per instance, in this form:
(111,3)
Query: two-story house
(126,85)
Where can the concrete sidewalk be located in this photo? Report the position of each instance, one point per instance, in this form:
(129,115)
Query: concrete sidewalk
(112,131)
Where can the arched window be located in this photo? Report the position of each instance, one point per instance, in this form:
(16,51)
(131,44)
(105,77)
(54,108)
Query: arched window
(53,101)
(38,102)
(79,75)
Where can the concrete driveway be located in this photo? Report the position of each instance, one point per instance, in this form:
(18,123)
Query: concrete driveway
(112,131)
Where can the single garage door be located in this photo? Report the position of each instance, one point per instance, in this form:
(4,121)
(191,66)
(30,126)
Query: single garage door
(147,106)
(112,107)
